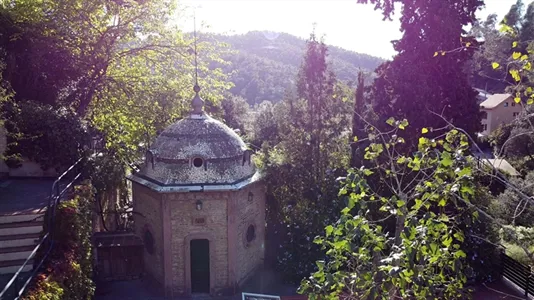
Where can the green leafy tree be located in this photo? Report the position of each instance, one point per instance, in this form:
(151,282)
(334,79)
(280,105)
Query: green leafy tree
(420,81)
(358,125)
(54,138)
(264,124)
(512,207)
(236,113)
(302,167)
(495,48)
(119,65)
(422,258)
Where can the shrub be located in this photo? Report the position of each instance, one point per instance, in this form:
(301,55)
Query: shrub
(517,253)
(51,137)
(67,271)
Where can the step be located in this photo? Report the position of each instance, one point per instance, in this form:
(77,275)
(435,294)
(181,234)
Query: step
(15,255)
(19,240)
(21,228)
(12,266)
(5,219)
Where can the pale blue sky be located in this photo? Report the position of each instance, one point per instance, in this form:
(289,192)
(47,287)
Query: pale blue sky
(344,23)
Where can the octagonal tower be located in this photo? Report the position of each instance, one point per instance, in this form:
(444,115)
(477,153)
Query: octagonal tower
(200,208)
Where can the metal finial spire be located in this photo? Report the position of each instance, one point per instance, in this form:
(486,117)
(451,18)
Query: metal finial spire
(197,102)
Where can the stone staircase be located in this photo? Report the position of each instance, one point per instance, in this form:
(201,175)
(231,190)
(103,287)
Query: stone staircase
(19,234)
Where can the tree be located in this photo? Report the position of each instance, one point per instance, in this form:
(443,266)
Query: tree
(302,167)
(358,125)
(514,16)
(422,258)
(236,112)
(51,137)
(512,208)
(495,48)
(109,62)
(421,81)
(515,141)
(527,26)
(264,124)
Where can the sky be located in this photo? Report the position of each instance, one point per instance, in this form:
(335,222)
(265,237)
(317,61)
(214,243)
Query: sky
(343,23)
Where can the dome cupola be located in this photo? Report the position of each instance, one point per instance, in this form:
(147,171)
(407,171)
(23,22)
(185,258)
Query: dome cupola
(197,153)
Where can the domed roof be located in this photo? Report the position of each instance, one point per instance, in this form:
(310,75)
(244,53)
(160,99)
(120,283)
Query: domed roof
(197,150)
(202,137)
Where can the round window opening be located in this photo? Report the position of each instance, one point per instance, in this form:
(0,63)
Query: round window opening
(198,162)
(251,233)
(148,240)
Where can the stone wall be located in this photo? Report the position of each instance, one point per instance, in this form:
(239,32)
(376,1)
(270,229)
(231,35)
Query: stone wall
(186,225)
(250,255)
(148,216)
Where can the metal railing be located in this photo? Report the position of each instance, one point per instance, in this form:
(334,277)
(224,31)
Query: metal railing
(48,239)
(518,273)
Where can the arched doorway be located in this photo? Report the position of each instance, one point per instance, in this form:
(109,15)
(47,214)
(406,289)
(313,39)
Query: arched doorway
(200,266)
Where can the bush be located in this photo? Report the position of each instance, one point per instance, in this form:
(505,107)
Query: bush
(517,253)
(67,271)
(510,203)
(51,137)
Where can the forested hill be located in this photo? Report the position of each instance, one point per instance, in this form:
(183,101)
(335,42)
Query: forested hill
(266,63)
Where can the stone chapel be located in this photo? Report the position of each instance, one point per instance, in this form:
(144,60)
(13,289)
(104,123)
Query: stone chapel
(199,207)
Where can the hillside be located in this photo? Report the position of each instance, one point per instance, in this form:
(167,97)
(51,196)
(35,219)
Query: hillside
(266,63)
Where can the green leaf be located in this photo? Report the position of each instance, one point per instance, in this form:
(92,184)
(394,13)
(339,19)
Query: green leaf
(517,100)
(355,138)
(459,254)
(446,159)
(400,203)
(459,236)
(401,160)
(433,247)
(447,242)
(390,121)
(403,124)
(442,202)
(524,57)
(514,44)
(515,75)
(329,230)
(516,55)
(424,130)
(367,172)
(495,65)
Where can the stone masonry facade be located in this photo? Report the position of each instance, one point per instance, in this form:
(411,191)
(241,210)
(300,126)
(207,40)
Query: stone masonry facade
(148,217)
(184,216)
(251,255)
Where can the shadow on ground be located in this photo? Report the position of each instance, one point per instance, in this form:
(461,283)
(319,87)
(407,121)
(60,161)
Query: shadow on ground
(266,282)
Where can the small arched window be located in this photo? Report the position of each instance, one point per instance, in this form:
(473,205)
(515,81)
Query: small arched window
(251,233)
(148,240)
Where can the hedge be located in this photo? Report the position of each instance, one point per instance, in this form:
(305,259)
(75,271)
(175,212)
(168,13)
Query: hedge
(67,272)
